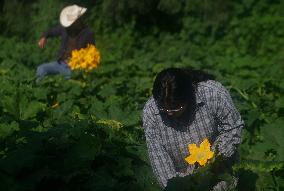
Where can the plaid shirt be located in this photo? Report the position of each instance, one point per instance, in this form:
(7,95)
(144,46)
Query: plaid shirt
(216,118)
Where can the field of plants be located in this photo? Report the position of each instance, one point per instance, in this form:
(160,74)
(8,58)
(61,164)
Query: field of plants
(86,133)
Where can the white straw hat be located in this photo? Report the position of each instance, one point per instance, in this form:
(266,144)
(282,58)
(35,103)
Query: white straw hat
(70,14)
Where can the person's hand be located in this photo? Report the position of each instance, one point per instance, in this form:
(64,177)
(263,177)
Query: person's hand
(188,171)
(41,42)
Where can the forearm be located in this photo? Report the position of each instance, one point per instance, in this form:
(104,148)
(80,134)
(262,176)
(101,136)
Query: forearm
(227,141)
(229,125)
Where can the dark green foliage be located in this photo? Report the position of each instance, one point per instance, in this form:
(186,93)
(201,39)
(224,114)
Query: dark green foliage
(66,147)
(204,178)
(93,139)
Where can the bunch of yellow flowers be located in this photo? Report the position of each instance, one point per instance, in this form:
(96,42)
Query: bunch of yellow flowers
(85,59)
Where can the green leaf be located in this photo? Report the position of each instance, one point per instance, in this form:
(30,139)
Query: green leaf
(8,129)
(279,103)
(31,110)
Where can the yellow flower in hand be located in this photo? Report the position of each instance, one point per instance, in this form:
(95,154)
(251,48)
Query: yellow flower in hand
(199,154)
(85,59)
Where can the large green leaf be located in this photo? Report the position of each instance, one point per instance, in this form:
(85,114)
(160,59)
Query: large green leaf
(32,109)
(8,129)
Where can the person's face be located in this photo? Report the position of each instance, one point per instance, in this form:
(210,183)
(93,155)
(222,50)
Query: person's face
(75,28)
(176,112)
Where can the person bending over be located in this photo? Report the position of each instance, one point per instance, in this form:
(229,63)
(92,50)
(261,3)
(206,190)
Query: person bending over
(74,35)
(188,106)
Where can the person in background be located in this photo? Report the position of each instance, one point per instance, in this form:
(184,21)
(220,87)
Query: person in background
(188,106)
(74,35)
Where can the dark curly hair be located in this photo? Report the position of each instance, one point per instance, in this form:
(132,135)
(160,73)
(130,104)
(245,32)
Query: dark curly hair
(174,87)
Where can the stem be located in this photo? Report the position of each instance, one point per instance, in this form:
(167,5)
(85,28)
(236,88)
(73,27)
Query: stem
(275,181)
(244,95)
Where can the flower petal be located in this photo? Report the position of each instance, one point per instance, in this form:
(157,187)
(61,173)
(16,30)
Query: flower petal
(190,159)
(192,148)
(205,144)
(202,162)
(210,154)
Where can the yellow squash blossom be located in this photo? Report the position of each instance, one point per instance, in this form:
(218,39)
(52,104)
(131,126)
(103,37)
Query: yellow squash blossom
(85,59)
(199,154)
